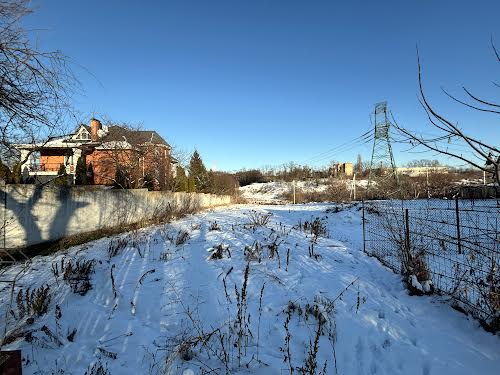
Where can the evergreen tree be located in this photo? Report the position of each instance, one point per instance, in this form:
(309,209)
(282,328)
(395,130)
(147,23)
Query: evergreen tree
(181,180)
(81,172)
(191,186)
(62,179)
(198,172)
(90,174)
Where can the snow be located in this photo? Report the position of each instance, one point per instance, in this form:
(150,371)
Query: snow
(168,295)
(414,283)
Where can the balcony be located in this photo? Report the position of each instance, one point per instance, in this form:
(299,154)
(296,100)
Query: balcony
(49,168)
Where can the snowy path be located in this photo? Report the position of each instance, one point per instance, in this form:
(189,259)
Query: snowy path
(157,317)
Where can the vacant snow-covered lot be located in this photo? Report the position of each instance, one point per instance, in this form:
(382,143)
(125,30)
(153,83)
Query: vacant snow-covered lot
(246,289)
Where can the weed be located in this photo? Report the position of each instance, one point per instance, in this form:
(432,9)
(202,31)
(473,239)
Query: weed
(287,356)
(259,219)
(116,246)
(242,320)
(97,369)
(77,275)
(317,228)
(219,251)
(214,226)
(113,286)
(260,314)
(287,259)
(182,237)
(33,302)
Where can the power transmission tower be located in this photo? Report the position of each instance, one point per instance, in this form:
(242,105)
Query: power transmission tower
(383,174)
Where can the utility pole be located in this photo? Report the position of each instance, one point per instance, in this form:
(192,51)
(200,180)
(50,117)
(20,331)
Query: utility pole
(382,166)
(293,191)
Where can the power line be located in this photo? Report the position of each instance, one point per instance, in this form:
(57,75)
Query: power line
(363,138)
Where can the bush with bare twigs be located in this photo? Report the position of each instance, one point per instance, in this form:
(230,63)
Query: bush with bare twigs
(259,219)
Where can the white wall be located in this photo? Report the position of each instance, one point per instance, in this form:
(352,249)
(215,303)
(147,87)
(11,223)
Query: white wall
(33,214)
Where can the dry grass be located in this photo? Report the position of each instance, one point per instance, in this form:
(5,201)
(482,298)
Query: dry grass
(34,302)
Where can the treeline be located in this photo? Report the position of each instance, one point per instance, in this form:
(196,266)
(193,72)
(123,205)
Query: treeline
(200,180)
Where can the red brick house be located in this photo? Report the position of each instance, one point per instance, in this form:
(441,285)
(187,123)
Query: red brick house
(142,155)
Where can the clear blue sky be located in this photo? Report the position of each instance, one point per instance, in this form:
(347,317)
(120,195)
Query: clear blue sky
(253,83)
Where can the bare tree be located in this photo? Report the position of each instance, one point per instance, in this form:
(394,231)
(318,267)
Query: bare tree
(478,154)
(34,85)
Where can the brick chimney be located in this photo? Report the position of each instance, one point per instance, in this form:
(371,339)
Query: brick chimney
(95,126)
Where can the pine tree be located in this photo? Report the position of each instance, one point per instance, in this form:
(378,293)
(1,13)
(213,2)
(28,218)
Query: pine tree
(81,172)
(198,172)
(191,186)
(62,179)
(181,181)
(90,174)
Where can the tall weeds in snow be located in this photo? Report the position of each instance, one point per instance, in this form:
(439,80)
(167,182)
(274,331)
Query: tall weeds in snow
(259,219)
(33,302)
(242,320)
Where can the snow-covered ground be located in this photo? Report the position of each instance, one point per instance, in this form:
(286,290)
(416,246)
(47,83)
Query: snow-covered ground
(174,308)
(279,192)
(276,191)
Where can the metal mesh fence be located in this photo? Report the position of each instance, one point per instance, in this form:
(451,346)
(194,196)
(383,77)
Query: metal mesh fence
(453,243)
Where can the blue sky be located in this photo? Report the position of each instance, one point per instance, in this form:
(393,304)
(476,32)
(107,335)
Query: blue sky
(254,83)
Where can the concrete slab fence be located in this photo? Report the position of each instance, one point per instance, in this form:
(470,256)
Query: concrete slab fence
(33,214)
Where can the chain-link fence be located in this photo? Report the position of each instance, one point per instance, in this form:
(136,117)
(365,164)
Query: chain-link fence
(453,243)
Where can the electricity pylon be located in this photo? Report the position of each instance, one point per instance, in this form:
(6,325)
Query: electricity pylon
(383,173)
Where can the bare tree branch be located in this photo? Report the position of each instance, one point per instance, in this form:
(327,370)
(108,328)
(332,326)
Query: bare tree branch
(477,151)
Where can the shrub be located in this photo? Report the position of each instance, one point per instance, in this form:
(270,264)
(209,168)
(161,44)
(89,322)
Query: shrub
(81,172)
(317,227)
(62,179)
(259,219)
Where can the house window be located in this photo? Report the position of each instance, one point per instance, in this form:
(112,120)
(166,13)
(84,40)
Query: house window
(83,135)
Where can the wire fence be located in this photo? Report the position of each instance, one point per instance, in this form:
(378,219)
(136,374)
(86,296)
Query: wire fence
(453,243)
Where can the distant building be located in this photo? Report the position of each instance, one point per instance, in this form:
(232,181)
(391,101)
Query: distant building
(143,154)
(341,169)
(420,171)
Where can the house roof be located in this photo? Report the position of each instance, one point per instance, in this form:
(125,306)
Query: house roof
(111,137)
(133,137)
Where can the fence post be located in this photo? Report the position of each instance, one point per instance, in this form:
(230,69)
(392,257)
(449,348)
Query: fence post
(457,214)
(407,238)
(363,221)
